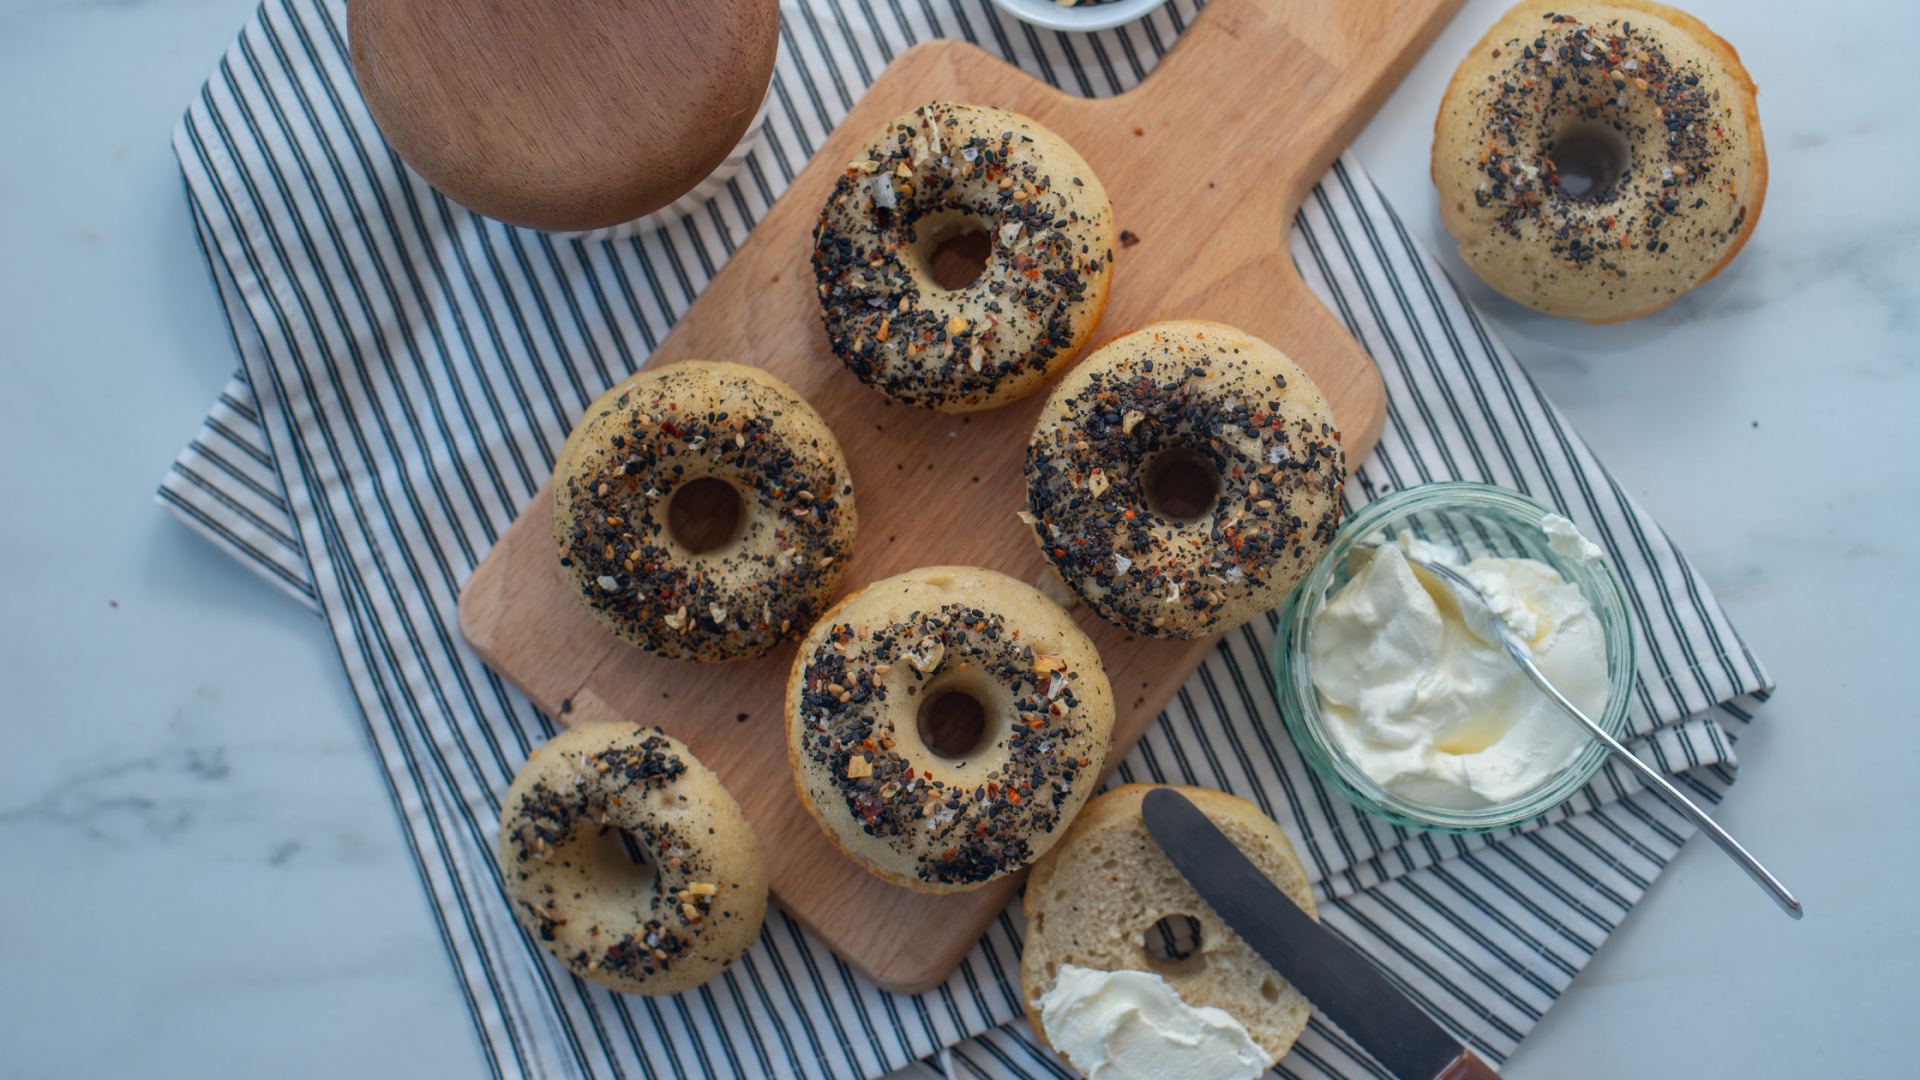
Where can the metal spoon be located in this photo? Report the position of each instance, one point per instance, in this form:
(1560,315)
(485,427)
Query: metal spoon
(1490,628)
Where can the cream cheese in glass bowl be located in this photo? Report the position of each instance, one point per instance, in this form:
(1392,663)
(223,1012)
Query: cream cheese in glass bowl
(1402,710)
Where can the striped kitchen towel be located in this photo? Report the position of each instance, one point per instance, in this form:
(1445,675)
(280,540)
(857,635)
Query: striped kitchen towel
(409,371)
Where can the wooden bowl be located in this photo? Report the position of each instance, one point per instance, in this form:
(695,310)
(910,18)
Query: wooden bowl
(563,116)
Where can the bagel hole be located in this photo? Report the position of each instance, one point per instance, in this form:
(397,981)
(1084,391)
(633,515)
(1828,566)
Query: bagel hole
(952,724)
(958,260)
(1589,159)
(1172,946)
(620,860)
(955,247)
(1179,484)
(630,846)
(704,514)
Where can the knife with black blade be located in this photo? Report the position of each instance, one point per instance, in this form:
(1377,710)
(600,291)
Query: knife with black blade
(1338,980)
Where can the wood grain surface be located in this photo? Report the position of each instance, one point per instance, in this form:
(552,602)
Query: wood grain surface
(563,116)
(1206,163)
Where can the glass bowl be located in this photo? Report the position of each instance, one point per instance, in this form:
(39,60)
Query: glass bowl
(1081,17)
(1474,520)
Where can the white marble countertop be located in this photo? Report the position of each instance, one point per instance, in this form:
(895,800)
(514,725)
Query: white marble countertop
(203,874)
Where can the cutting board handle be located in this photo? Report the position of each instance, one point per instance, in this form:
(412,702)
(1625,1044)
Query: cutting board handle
(1252,105)
(1284,51)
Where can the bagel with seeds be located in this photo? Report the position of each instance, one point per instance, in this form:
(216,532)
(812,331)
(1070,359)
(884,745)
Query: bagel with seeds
(924,808)
(1183,478)
(668,431)
(936,174)
(1595,161)
(659,926)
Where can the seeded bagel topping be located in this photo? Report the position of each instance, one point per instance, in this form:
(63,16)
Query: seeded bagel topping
(569,812)
(743,597)
(551,814)
(1617,74)
(965,834)
(947,170)
(1213,394)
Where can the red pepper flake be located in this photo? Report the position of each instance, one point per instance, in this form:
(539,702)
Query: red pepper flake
(1128,239)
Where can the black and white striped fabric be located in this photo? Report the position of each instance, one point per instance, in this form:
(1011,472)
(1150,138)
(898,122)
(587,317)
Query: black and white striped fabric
(409,371)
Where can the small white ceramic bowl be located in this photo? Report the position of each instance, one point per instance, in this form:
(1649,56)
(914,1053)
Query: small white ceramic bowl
(1081,17)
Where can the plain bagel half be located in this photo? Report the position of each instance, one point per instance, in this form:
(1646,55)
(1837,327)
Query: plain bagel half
(1093,898)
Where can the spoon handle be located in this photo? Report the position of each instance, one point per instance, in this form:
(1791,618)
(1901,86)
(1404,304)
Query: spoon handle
(1487,626)
(1661,784)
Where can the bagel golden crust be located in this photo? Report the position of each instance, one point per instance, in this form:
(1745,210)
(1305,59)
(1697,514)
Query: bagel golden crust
(862,768)
(658,929)
(1223,398)
(663,428)
(1676,97)
(935,173)
(1091,900)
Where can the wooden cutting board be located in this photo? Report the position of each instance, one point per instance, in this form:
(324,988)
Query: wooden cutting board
(1206,163)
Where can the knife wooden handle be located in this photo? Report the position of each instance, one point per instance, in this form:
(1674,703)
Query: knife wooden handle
(1468,1066)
